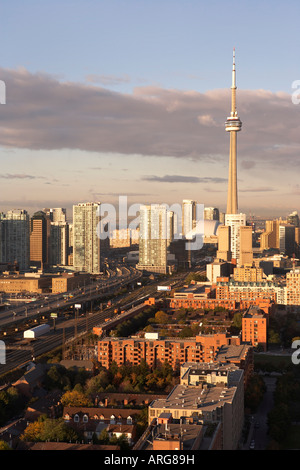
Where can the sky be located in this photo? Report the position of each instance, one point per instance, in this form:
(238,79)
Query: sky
(110,98)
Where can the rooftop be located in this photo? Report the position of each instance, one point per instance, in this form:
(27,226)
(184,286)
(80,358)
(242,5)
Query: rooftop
(195,397)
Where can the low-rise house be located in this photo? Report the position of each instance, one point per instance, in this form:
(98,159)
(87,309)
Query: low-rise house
(93,421)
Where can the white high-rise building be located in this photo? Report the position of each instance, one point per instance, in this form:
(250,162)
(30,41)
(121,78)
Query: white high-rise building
(188,218)
(153,238)
(235,222)
(58,214)
(86,240)
(211,213)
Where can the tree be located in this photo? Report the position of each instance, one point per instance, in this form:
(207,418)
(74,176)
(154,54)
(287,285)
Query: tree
(237,320)
(161,317)
(273,337)
(104,437)
(75,398)
(33,432)
(279,421)
(186,332)
(98,383)
(10,402)
(58,430)
(122,441)
(254,392)
(4,446)
(57,377)
(195,277)
(46,429)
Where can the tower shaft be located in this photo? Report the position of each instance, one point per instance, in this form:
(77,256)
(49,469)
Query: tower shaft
(232,197)
(233,125)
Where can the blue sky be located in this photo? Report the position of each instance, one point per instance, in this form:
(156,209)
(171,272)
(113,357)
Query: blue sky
(148,61)
(174,43)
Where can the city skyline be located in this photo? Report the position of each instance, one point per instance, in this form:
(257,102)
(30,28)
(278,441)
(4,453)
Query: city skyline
(85,122)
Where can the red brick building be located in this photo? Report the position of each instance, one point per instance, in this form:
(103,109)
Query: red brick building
(254,327)
(174,351)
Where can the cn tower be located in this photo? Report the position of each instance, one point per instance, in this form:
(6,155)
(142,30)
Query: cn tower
(233,125)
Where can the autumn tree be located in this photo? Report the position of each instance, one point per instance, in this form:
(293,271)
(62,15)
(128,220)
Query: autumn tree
(75,398)
(46,429)
(161,317)
(98,383)
(4,446)
(33,432)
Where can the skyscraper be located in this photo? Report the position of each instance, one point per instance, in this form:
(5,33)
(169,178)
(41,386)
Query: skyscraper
(58,214)
(287,239)
(224,243)
(86,240)
(39,239)
(293,219)
(153,238)
(59,243)
(233,125)
(15,238)
(246,249)
(270,238)
(211,213)
(188,218)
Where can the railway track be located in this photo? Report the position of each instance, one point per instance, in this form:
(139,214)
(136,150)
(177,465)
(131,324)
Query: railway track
(67,331)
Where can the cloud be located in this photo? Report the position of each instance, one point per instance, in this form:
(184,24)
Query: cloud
(183,179)
(19,176)
(42,112)
(107,79)
(207,120)
(256,190)
(248,164)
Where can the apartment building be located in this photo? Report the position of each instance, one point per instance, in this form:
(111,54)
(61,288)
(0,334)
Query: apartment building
(255,327)
(59,243)
(14,238)
(199,296)
(293,289)
(175,351)
(208,393)
(86,237)
(248,273)
(229,289)
(153,239)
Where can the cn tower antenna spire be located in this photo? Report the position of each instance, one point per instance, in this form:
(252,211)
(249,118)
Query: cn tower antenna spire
(233,125)
(233,87)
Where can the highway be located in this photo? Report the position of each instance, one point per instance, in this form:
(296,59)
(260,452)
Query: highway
(68,330)
(54,302)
